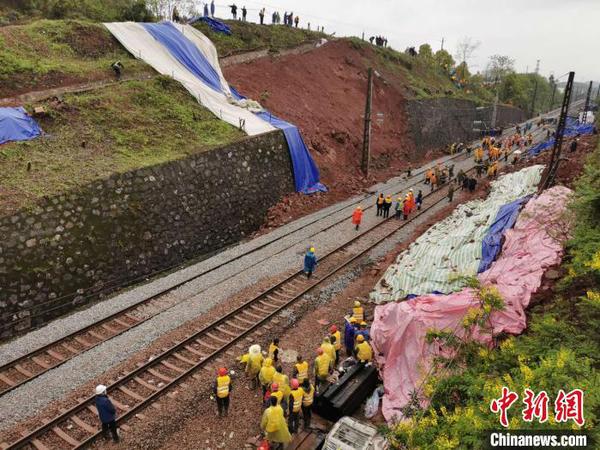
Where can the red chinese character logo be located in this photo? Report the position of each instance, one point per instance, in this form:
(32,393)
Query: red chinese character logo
(535,406)
(569,406)
(503,404)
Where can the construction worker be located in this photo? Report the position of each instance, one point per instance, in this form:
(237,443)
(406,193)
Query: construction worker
(310,262)
(274,350)
(296,396)
(117,68)
(398,207)
(411,200)
(307,401)
(357,217)
(450,193)
(283,382)
(322,368)
(222,389)
(379,204)
(363,351)
(363,331)
(336,340)
(406,208)
(349,332)
(265,376)
(387,205)
(433,180)
(358,312)
(276,393)
(329,349)
(254,364)
(300,369)
(428,175)
(107,413)
(419,200)
(274,425)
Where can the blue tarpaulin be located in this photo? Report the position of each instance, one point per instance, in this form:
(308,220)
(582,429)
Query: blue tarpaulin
(492,242)
(185,52)
(572,128)
(17,125)
(306,173)
(214,24)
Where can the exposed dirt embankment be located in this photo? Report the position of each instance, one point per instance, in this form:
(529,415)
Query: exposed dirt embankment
(323,92)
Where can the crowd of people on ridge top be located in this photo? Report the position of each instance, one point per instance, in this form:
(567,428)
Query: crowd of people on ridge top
(289,19)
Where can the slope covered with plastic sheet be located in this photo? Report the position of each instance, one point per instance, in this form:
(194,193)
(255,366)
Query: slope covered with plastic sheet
(399,329)
(135,38)
(452,247)
(17,125)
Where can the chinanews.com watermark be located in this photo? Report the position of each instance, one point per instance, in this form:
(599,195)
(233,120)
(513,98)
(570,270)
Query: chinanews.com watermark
(567,407)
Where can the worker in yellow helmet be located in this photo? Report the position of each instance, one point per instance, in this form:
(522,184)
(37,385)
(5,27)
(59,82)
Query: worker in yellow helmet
(329,349)
(255,360)
(363,351)
(265,376)
(310,262)
(336,339)
(300,369)
(358,312)
(307,401)
(222,389)
(296,395)
(322,368)
(283,382)
(274,350)
(274,425)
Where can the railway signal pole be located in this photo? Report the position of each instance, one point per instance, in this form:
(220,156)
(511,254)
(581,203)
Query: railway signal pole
(366,153)
(587,104)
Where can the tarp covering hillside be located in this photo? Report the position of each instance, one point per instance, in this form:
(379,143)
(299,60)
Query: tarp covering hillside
(453,247)
(399,329)
(17,125)
(184,53)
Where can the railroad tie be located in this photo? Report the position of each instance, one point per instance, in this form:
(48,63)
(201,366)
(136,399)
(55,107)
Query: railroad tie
(217,338)
(160,375)
(130,393)
(184,359)
(143,382)
(172,366)
(23,370)
(81,424)
(57,355)
(40,362)
(65,437)
(6,380)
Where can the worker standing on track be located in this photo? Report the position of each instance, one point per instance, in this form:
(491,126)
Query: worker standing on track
(450,193)
(433,182)
(300,369)
(107,413)
(336,339)
(363,351)
(322,368)
(222,389)
(274,425)
(387,205)
(419,200)
(398,207)
(296,396)
(349,333)
(380,201)
(428,175)
(358,312)
(310,262)
(265,376)
(307,401)
(274,350)
(406,208)
(357,217)
(254,364)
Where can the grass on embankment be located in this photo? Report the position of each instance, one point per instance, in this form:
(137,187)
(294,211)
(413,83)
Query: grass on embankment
(51,53)
(95,134)
(246,36)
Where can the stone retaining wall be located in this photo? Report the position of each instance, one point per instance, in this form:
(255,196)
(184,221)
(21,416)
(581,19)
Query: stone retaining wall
(69,248)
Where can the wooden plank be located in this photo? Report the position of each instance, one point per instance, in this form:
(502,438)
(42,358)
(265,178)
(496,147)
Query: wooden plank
(82,341)
(57,355)
(121,323)
(241,319)
(65,437)
(184,359)
(96,335)
(209,346)
(226,331)
(217,338)
(7,380)
(67,347)
(232,324)
(108,328)
(38,444)
(157,374)
(191,349)
(23,370)
(248,313)
(81,424)
(172,366)
(40,362)
(130,393)
(145,384)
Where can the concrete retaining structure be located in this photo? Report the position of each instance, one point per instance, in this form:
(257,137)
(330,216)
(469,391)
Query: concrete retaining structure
(67,249)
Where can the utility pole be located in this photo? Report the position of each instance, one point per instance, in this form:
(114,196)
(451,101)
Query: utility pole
(366,154)
(560,131)
(553,94)
(495,110)
(534,96)
(442,48)
(587,104)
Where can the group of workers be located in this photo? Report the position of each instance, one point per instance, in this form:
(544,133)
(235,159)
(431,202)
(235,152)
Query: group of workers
(438,175)
(404,205)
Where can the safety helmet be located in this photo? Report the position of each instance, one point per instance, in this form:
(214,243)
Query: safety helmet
(356,304)
(358,208)
(222,371)
(410,190)
(100,389)
(294,383)
(312,249)
(254,349)
(333,328)
(360,338)
(326,340)
(274,387)
(319,351)
(399,199)
(363,324)
(352,320)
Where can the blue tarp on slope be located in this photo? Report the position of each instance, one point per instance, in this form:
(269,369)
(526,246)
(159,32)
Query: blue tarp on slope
(17,125)
(185,52)
(306,173)
(492,242)
(572,128)
(214,24)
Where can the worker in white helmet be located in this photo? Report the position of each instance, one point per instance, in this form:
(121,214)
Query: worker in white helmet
(107,413)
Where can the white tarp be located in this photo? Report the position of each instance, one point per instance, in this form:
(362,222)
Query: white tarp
(452,247)
(143,46)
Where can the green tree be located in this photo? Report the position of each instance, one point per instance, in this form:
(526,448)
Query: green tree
(425,51)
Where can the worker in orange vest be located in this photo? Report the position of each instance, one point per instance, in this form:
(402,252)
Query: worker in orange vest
(357,216)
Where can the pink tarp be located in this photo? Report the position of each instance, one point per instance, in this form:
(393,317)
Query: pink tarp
(399,329)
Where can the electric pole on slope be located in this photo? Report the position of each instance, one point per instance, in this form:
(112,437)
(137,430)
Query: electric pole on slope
(366,153)
(548,179)
(553,94)
(535,87)
(587,104)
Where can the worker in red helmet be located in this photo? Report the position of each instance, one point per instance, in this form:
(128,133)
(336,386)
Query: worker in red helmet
(322,368)
(275,392)
(336,339)
(222,390)
(296,396)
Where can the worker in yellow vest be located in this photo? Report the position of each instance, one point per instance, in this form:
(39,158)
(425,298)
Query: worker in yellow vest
(274,425)
(274,350)
(255,360)
(296,395)
(363,351)
(358,312)
(283,382)
(300,369)
(265,376)
(322,368)
(329,349)
(275,392)
(307,402)
(336,339)
(222,389)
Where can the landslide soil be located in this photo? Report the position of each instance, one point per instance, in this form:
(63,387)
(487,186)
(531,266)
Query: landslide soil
(323,92)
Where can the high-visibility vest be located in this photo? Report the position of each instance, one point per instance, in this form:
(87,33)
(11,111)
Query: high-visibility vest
(329,350)
(302,369)
(364,352)
(358,313)
(266,374)
(223,386)
(278,395)
(380,200)
(272,349)
(338,340)
(322,363)
(274,418)
(308,398)
(254,364)
(297,395)
(283,382)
